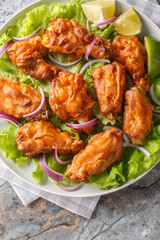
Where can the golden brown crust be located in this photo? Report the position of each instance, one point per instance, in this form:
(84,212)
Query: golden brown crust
(137,118)
(102,150)
(41,136)
(110,82)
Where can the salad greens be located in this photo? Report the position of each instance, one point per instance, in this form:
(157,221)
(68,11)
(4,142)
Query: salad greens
(133,163)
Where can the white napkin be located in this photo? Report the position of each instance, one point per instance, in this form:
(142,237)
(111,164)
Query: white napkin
(80,206)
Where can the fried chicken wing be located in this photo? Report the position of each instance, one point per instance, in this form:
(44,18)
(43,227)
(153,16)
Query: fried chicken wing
(41,136)
(103,149)
(18,99)
(137,118)
(27,55)
(109,82)
(69,99)
(70,37)
(132,54)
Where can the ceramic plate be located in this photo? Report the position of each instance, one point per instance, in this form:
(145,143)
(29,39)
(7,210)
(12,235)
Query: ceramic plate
(150,29)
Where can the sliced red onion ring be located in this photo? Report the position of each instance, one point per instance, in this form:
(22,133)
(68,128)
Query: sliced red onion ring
(105,22)
(68,187)
(153,97)
(4,48)
(126,139)
(62,64)
(29,36)
(83,69)
(87,25)
(90,48)
(83,125)
(55,155)
(38,110)
(9,118)
(156,111)
(58,177)
(138,147)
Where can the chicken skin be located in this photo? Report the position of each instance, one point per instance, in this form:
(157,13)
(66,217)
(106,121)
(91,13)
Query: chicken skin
(110,82)
(70,37)
(42,136)
(137,118)
(103,149)
(69,99)
(18,99)
(27,55)
(132,54)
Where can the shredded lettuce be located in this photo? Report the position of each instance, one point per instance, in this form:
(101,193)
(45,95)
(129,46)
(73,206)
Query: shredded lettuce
(134,162)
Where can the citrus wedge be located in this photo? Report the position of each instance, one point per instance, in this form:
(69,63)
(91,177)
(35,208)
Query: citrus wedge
(128,23)
(153,50)
(99,10)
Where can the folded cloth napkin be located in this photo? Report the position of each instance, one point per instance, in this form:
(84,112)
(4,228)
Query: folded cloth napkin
(80,206)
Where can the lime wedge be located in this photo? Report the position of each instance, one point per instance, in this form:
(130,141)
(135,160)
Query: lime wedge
(128,23)
(153,50)
(99,10)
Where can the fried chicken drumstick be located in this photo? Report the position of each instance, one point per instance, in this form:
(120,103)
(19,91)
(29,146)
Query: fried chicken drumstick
(69,99)
(70,37)
(137,118)
(103,149)
(27,55)
(18,99)
(132,54)
(110,82)
(41,136)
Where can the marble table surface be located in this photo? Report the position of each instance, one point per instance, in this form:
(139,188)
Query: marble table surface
(130,214)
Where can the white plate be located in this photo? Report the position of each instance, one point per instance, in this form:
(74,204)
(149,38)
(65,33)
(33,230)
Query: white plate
(25,172)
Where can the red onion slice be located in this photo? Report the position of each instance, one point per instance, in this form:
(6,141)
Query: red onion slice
(90,48)
(153,97)
(138,147)
(83,69)
(9,118)
(29,36)
(38,110)
(58,177)
(125,138)
(68,187)
(55,155)
(4,48)
(62,64)
(83,125)
(105,22)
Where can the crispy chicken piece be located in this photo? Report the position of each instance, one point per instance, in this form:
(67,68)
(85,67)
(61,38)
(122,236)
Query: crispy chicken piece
(70,37)
(41,136)
(69,99)
(18,99)
(132,54)
(137,118)
(110,82)
(103,149)
(27,55)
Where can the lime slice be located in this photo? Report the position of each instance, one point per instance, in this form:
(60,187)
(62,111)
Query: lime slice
(153,50)
(99,10)
(128,23)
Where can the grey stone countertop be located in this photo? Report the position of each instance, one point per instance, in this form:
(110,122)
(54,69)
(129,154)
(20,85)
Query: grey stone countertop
(130,214)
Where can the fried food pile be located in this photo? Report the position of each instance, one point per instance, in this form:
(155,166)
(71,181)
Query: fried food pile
(70,100)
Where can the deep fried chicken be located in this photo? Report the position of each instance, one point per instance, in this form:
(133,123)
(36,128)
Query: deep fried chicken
(27,55)
(109,82)
(70,37)
(137,118)
(40,137)
(103,149)
(69,99)
(18,99)
(132,54)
